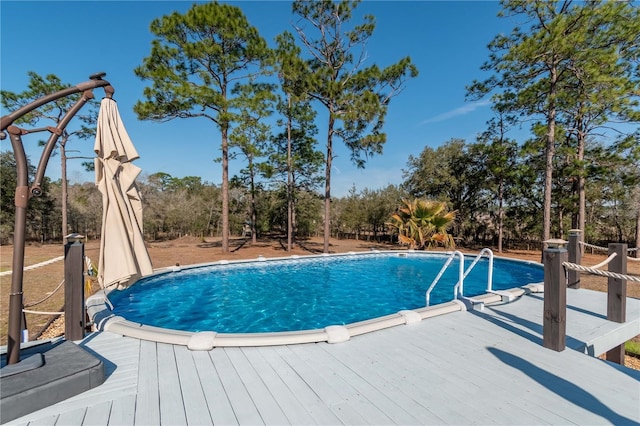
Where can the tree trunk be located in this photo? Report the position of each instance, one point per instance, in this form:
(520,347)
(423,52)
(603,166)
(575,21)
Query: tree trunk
(500,215)
(582,199)
(549,154)
(582,207)
(294,224)
(637,223)
(327,185)
(289,182)
(65,193)
(210,219)
(548,184)
(560,222)
(254,213)
(225,189)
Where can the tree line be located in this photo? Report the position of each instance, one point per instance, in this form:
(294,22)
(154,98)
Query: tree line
(569,72)
(491,208)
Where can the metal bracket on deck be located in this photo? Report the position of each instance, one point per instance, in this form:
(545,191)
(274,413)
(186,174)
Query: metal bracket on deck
(472,304)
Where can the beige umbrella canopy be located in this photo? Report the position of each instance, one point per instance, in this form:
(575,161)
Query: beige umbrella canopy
(123,255)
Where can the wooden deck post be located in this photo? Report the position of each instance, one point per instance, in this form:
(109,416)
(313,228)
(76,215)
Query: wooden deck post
(575,256)
(554,324)
(74,314)
(617,296)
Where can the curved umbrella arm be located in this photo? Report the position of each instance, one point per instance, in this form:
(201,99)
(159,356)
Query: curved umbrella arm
(21,201)
(96,81)
(51,143)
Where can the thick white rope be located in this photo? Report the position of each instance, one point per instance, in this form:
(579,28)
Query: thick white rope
(593,247)
(28,305)
(26,311)
(580,268)
(37,265)
(604,262)
(90,269)
(631,250)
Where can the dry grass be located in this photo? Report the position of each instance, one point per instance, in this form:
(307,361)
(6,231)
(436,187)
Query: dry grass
(41,282)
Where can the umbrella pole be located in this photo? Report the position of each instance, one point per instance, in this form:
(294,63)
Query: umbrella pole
(15,297)
(23,193)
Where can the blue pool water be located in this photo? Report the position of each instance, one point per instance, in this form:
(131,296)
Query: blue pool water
(305,293)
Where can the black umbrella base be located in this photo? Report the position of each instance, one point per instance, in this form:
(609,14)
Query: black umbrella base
(46,374)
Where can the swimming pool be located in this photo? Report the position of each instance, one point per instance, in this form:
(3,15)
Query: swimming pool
(299,294)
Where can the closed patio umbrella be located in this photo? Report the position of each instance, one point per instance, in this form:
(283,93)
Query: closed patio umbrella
(123,255)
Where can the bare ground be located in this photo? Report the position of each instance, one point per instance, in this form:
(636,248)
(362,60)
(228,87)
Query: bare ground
(41,283)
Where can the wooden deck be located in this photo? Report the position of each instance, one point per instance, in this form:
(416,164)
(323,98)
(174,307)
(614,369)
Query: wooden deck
(484,367)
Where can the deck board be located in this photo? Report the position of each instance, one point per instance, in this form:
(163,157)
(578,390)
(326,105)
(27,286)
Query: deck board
(370,388)
(193,398)
(347,388)
(172,409)
(503,381)
(388,378)
(286,399)
(123,411)
(97,415)
(76,416)
(463,364)
(484,367)
(148,401)
(441,375)
(305,393)
(322,383)
(217,400)
(46,421)
(266,402)
(243,406)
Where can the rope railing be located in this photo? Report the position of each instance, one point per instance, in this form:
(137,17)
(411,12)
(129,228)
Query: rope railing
(28,305)
(27,311)
(562,270)
(594,271)
(37,265)
(604,262)
(90,270)
(591,246)
(630,250)
(48,296)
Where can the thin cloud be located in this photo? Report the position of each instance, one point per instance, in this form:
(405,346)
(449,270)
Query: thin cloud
(463,110)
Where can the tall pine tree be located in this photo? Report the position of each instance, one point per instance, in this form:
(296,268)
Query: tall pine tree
(353,94)
(194,60)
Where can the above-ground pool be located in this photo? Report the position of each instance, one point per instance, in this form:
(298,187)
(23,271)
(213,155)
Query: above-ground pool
(305,292)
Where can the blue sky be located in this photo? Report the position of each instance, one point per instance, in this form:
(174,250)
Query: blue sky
(447,41)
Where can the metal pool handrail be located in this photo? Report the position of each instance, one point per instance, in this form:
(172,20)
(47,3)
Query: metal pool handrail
(462,273)
(444,268)
(489,274)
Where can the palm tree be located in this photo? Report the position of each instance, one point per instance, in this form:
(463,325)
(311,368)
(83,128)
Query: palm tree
(423,224)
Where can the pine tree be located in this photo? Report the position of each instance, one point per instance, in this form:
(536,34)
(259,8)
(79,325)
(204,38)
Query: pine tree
(194,60)
(354,95)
